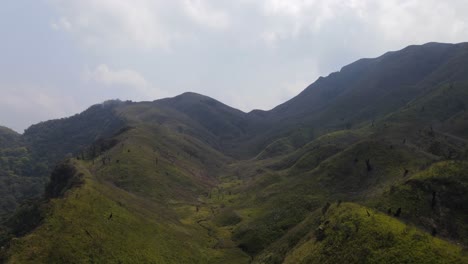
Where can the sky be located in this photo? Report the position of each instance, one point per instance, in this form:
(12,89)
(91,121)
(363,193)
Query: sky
(58,57)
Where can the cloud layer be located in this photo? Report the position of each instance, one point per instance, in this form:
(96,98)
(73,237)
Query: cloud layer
(134,83)
(159,24)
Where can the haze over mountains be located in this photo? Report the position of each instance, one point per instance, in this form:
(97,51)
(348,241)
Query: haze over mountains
(368,164)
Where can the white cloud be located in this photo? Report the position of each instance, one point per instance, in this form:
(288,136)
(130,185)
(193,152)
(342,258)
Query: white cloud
(148,25)
(299,15)
(62,24)
(102,74)
(137,24)
(24,105)
(101,23)
(201,12)
(126,79)
(421,21)
(392,21)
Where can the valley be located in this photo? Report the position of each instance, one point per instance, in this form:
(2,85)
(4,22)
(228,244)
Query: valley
(367,165)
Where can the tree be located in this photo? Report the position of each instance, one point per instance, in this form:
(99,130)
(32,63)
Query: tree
(405,173)
(368,165)
(325,208)
(398,212)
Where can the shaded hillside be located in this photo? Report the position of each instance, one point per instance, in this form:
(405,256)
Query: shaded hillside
(364,91)
(378,85)
(8,138)
(51,141)
(229,129)
(17,170)
(219,119)
(27,160)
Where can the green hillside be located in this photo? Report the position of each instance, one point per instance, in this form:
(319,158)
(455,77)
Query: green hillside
(17,172)
(367,165)
(350,233)
(27,160)
(8,137)
(100,223)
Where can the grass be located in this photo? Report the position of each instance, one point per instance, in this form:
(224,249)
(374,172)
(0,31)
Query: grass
(80,228)
(174,197)
(354,234)
(434,199)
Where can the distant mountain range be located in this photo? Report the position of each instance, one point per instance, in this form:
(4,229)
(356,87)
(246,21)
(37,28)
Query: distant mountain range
(366,165)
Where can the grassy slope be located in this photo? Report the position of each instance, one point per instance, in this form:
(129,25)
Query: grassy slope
(366,90)
(333,167)
(27,160)
(354,234)
(78,228)
(151,182)
(260,205)
(166,176)
(434,199)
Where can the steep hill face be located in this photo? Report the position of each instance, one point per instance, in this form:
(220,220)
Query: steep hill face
(365,165)
(365,91)
(27,160)
(379,85)
(16,167)
(8,137)
(233,132)
(219,119)
(51,141)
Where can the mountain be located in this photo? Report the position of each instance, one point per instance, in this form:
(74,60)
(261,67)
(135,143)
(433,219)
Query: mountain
(27,160)
(16,183)
(8,137)
(367,165)
(365,90)
(51,141)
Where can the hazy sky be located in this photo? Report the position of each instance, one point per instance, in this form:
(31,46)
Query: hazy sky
(57,57)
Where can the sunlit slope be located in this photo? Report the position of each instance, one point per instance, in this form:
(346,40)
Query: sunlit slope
(349,233)
(429,204)
(191,180)
(434,199)
(362,92)
(100,223)
(137,203)
(361,165)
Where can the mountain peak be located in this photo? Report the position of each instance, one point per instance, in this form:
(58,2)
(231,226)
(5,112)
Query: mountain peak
(375,76)
(189,100)
(6,130)
(8,137)
(191,96)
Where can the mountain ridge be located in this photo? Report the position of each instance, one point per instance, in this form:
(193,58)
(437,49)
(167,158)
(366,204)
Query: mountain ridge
(373,155)
(190,94)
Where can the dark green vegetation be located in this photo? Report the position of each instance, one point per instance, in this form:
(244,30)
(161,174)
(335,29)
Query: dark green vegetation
(18,181)
(367,165)
(27,160)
